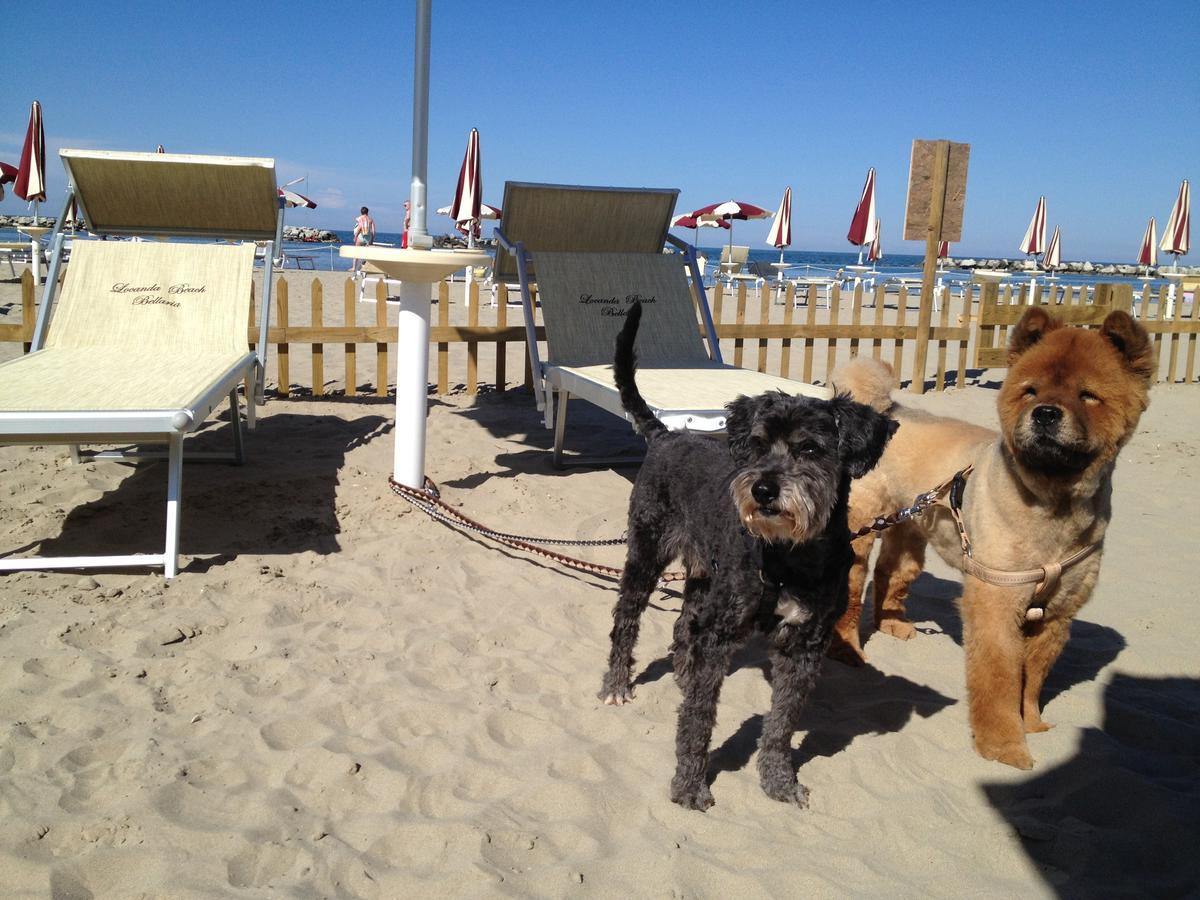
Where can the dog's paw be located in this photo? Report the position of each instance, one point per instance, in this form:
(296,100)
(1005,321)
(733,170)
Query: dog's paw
(1036,725)
(615,691)
(902,629)
(1011,753)
(793,792)
(692,796)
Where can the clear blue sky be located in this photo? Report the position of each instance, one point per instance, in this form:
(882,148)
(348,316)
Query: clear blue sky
(1092,104)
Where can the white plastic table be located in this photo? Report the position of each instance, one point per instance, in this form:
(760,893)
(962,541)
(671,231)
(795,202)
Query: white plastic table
(417,270)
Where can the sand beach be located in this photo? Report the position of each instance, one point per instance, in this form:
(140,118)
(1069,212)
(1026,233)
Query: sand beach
(338,697)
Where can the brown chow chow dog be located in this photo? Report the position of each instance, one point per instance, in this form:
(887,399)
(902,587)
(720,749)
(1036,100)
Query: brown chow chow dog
(1040,492)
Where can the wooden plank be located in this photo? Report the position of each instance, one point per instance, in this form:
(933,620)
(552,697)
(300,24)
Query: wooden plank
(831,348)
(443,347)
(944,322)
(810,321)
(472,294)
(880,297)
(856,315)
(318,349)
(789,309)
(741,320)
(834,331)
(281,352)
(350,314)
(901,321)
(926,160)
(501,349)
(381,347)
(764,316)
(1074,315)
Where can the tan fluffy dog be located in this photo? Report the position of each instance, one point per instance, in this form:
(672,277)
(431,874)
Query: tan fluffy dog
(1040,491)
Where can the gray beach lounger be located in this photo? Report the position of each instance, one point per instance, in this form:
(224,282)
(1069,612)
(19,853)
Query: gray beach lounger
(147,337)
(591,251)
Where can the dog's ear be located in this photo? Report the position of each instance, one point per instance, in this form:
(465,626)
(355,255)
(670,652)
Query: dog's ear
(1029,330)
(1131,340)
(737,426)
(862,434)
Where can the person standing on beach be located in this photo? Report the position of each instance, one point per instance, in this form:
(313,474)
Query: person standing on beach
(407,218)
(364,233)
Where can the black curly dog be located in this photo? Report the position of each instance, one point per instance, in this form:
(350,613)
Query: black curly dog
(760,526)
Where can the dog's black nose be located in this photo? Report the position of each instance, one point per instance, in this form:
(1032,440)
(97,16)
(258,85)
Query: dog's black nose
(1046,417)
(765,491)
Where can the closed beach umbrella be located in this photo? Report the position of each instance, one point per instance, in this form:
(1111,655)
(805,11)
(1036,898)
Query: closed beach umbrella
(876,252)
(31,173)
(862,227)
(1034,241)
(943,249)
(1148,255)
(1177,236)
(468,195)
(781,230)
(160,149)
(8,174)
(730,210)
(1052,258)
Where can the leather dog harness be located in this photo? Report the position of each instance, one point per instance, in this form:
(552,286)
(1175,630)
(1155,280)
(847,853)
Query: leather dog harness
(1045,577)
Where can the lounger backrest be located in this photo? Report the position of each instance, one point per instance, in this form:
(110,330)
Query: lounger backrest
(176,298)
(585,298)
(735,255)
(566,218)
(127,193)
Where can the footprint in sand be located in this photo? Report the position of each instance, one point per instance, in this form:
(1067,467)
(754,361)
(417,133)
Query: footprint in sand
(289,734)
(260,865)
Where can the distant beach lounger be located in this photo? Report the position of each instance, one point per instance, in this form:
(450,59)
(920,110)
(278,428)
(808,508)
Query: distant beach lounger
(147,337)
(592,251)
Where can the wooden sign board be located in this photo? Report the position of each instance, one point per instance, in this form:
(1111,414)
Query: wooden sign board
(921,179)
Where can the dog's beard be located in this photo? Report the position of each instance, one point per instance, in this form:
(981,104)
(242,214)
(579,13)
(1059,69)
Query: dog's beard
(798,514)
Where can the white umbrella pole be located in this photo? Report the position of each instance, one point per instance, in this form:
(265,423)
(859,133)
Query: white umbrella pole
(418,234)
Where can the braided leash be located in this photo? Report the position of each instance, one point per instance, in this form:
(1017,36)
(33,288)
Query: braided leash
(429,501)
(919,505)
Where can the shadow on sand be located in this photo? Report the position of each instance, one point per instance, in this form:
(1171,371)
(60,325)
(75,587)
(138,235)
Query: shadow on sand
(291,468)
(1122,816)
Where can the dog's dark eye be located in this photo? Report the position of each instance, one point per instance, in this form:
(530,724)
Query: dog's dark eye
(804,449)
(1030,391)
(1088,397)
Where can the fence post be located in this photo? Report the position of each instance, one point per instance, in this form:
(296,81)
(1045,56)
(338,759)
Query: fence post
(350,304)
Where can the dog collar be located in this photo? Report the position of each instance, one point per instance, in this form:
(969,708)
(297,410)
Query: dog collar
(1045,577)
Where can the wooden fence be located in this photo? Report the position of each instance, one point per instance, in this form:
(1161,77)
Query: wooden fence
(789,333)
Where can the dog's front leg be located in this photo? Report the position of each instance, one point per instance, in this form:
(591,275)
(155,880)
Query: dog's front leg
(995,653)
(792,677)
(700,664)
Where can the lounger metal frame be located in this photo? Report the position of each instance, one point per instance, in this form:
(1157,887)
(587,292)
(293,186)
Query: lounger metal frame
(134,427)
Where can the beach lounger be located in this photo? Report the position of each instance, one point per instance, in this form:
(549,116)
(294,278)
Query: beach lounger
(144,339)
(592,250)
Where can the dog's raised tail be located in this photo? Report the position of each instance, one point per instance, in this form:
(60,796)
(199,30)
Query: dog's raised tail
(866,380)
(624,368)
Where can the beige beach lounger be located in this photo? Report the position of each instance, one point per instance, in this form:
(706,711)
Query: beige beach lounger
(592,251)
(147,337)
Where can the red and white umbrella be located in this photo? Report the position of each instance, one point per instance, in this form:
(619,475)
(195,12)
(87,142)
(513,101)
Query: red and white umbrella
(8,174)
(466,209)
(1034,241)
(781,230)
(862,227)
(1148,255)
(160,149)
(1052,258)
(730,210)
(1177,236)
(291,199)
(686,221)
(485,212)
(31,173)
(876,252)
(943,249)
